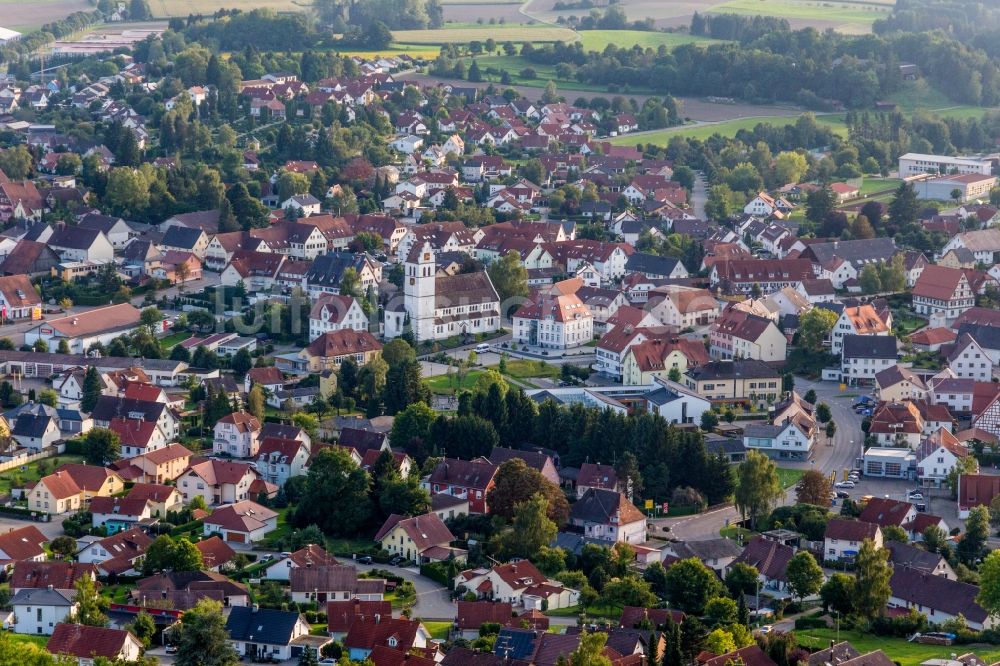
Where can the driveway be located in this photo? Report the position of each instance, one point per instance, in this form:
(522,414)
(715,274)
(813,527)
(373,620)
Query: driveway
(835,456)
(433,599)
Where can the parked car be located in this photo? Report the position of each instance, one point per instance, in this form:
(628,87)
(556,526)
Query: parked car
(921,507)
(914,495)
(842,495)
(170,649)
(396,559)
(364,559)
(844,484)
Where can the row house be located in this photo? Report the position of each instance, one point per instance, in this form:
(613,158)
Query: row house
(769,275)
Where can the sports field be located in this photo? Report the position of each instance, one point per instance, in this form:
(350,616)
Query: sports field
(727,128)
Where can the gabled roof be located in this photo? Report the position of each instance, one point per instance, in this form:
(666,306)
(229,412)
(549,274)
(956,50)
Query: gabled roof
(850,530)
(242,516)
(936,592)
(345,342)
(905,555)
(477,474)
(60,575)
(769,557)
(86,642)
(342,614)
(885,512)
(605,507)
(425,530)
(881,347)
(261,625)
(938,282)
(633,615)
(215,471)
(23,543)
(365,634)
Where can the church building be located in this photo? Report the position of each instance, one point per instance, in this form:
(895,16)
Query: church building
(437,306)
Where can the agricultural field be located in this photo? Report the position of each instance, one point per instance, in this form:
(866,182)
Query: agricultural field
(849,17)
(598,40)
(27,17)
(171,8)
(534,33)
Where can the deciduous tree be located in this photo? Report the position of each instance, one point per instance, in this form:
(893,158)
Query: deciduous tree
(872,591)
(805,576)
(814,488)
(757,486)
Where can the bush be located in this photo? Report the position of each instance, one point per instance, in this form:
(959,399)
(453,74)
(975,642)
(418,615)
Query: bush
(439,572)
(804,623)
(902,626)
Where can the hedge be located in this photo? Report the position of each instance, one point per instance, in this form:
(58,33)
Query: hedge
(181,530)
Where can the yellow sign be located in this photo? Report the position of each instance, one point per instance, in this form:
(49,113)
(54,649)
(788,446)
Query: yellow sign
(843,387)
(36,314)
(649,504)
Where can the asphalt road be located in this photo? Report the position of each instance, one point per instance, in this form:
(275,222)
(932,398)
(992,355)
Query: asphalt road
(841,455)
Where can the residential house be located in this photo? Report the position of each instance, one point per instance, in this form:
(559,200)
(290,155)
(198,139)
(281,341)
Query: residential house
(940,599)
(555,319)
(236,435)
(885,512)
(402,634)
(897,384)
(38,611)
(330,349)
(341,615)
(864,356)
(937,457)
(943,291)
(318,584)
(422,539)
(241,522)
(519,583)
(968,359)
(332,312)
(70,487)
(467,479)
(118,554)
(843,538)
(23,545)
(84,329)
(683,307)
(307,556)
(609,516)
(217,481)
(676,403)
(857,320)
(280,459)
(905,555)
(536,460)
(738,334)
(260,634)
(742,380)
(771,559)
(787,439)
(117,514)
(55,575)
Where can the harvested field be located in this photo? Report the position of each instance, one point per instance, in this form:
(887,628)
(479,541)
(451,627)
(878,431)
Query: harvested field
(171,8)
(473,12)
(501,33)
(598,40)
(25,17)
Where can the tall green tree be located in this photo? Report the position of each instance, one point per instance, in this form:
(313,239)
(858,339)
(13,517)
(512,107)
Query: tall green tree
(510,279)
(872,591)
(515,483)
(757,486)
(989,584)
(530,530)
(815,327)
(977,530)
(91,606)
(92,387)
(101,446)
(202,639)
(168,554)
(690,584)
(335,497)
(590,650)
(404,386)
(805,576)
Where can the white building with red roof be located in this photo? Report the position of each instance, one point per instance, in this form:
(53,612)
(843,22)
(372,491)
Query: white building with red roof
(333,312)
(87,643)
(555,319)
(217,481)
(236,435)
(242,522)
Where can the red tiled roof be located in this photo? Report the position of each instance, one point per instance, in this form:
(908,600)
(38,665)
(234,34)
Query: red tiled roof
(83,641)
(23,543)
(342,614)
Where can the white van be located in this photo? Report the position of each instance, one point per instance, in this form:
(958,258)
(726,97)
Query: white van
(482,348)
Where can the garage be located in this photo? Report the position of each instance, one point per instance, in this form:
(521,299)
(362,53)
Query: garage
(236,537)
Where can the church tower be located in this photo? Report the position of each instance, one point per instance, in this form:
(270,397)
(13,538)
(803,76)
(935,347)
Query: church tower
(418,290)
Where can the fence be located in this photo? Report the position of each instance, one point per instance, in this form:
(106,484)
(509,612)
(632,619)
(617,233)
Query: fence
(17,462)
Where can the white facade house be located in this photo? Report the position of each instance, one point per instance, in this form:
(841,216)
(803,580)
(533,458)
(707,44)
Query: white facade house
(860,320)
(37,611)
(843,538)
(675,402)
(558,319)
(332,312)
(786,440)
(236,435)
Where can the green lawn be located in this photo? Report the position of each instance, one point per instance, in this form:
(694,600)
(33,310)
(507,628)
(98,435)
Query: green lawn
(40,641)
(789,477)
(449,383)
(523,369)
(727,128)
(873,184)
(437,630)
(513,65)
(18,477)
(175,338)
(594,611)
(897,649)
(597,40)
(465,33)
